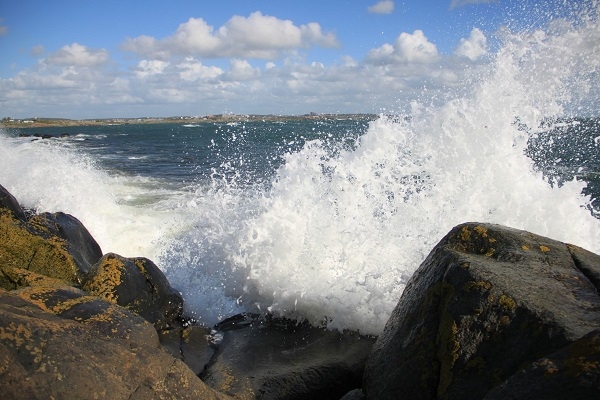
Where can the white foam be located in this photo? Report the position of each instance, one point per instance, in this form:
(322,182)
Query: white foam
(48,175)
(335,239)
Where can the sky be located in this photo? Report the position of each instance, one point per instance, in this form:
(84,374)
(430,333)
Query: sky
(103,59)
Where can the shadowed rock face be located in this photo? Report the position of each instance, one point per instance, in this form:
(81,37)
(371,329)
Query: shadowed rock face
(487,301)
(276,358)
(9,203)
(570,373)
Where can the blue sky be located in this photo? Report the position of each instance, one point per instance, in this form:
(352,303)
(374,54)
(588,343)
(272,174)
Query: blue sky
(96,59)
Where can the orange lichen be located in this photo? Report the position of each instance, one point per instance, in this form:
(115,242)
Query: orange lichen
(481,230)
(465,234)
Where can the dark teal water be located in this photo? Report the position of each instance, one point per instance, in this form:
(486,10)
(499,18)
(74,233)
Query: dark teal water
(250,153)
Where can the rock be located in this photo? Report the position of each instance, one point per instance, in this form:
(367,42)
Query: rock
(8,202)
(190,344)
(65,344)
(275,358)
(487,302)
(23,246)
(80,244)
(56,245)
(355,394)
(572,372)
(137,284)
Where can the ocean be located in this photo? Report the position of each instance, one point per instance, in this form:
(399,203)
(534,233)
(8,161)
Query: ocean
(326,220)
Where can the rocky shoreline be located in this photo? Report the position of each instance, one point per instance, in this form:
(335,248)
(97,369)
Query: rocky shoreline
(219,118)
(492,313)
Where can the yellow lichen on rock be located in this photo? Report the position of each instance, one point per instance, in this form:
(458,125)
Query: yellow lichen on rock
(20,248)
(109,277)
(481,230)
(480,285)
(465,233)
(19,334)
(507,303)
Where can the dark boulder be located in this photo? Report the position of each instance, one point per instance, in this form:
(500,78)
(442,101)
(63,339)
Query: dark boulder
(487,302)
(572,372)
(80,244)
(8,202)
(137,284)
(190,344)
(275,358)
(356,394)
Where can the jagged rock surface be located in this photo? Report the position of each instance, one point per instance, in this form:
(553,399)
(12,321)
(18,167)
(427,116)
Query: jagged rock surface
(487,302)
(65,344)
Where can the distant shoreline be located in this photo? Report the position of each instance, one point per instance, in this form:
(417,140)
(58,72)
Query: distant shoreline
(224,118)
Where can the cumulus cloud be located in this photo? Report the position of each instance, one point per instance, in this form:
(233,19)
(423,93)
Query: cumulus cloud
(382,7)
(193,70)
(408,48)
(460,3)
(78,55)
(474,46)
(241,70)
(256,36)
(146,68)
(171,81)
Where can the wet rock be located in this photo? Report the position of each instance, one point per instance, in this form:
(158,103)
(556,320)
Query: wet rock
(487,302)
(63,343)
(190,344)
(572,372)
(275,358)
(137,284)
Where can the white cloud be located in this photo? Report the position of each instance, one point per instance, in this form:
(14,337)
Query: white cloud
(193,70)
(473,47)
(460,3)
(408,48)
(78,55)
(241,70)
(383,7)
(147,68)
(393,73)
(256,36)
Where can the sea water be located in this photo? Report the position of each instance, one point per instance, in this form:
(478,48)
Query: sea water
(326,220)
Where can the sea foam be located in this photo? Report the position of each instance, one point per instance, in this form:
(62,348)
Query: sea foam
(335,239)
